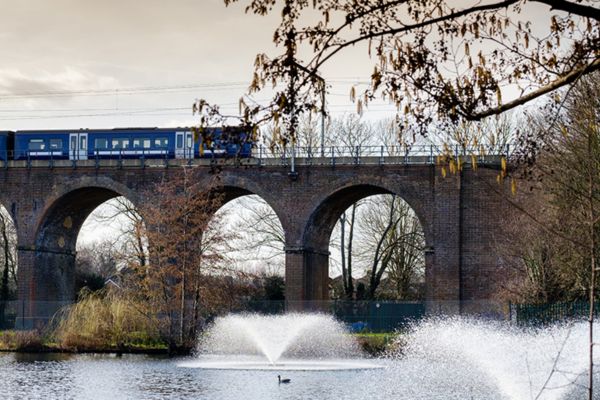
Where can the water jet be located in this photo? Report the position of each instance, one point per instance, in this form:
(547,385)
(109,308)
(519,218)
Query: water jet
(292,341)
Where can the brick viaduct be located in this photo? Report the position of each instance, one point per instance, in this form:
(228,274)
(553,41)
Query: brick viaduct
(460,216)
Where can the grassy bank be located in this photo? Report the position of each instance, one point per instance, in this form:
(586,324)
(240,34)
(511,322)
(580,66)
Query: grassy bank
(374,344)
(36,342)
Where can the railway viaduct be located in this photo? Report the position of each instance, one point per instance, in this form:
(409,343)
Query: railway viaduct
(460,215)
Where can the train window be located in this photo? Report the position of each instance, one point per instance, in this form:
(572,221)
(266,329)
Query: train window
(179,144)
(161,142)
(188,141)
(37,144)
(120,143)
(142,143)
(82,142)
(56,144)
(101,144)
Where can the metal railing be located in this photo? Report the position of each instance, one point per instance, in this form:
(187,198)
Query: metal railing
(261,155)
(358,316)
(534,314)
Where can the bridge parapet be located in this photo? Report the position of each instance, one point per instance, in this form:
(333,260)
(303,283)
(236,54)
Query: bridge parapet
(287,157)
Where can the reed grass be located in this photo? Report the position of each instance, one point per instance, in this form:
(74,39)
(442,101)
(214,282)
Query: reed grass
(21,341)
(105,320)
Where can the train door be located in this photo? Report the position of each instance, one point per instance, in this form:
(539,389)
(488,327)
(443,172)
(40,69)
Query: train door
(78,146)
(184,145)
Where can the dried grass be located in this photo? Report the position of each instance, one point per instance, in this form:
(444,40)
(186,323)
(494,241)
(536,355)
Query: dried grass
(105,320)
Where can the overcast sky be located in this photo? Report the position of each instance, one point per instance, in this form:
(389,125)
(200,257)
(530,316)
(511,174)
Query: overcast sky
(135,63)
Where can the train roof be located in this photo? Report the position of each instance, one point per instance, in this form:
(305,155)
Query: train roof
(109,130)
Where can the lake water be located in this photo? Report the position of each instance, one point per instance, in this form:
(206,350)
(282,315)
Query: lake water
(451,359)
(59,376)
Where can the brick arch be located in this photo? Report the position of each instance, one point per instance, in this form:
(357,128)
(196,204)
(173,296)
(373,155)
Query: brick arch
(10,220)
(233,192)
(233,186)
(63,217)
(50,283)
(10,206)
(323,218)
(95,186)
(10,211)
(308,264)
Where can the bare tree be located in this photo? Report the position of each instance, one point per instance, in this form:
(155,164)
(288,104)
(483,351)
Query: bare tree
(437,61)
(393,243)
(346,240)
(8,278)
(181,233)
(563,148)
(129,240)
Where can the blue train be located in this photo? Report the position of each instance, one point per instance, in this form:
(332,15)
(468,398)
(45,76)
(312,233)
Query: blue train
(124,143)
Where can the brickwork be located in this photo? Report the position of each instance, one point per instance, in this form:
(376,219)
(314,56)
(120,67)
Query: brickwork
(459,215)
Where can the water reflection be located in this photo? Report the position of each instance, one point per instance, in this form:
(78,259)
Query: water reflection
(452,359)
(59,376)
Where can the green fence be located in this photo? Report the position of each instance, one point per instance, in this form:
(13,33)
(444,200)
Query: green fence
(551,312)
(359,316)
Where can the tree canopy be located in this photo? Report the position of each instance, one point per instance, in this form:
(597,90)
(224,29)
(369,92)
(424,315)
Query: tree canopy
(437,61)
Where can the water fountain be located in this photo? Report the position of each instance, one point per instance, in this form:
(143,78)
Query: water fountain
(548,363)
(240,357)
(282,342)
(438,358)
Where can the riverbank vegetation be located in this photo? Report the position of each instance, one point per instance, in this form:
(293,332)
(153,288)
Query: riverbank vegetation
(552,243)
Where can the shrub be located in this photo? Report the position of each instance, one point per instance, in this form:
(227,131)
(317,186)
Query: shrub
(105,320)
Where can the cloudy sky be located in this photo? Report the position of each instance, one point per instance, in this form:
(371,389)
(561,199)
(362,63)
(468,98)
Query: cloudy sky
(91,64)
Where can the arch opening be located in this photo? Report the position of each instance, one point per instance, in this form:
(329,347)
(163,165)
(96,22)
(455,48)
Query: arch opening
(112,240)
(254,248)
(8,270)
(322,243)
(52,282)
(377,252)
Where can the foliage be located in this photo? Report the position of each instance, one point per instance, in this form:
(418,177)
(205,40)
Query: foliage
(435,60)
(376,344)
(394,231)
(8,262)
(274,287)
(130,244)
(563,151)
(182,280)
(383,237)
(21,341)
(94,265)
(106,319)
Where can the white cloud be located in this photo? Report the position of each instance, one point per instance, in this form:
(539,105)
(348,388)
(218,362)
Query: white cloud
(16,82)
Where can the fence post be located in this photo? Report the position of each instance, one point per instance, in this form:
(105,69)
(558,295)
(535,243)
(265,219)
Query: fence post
(332,156)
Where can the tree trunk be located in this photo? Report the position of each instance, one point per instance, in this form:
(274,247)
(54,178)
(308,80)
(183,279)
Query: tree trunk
(592,249)
(343,252)
(4,293)
(350,291)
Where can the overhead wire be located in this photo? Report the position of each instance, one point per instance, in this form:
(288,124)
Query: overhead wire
(90,112)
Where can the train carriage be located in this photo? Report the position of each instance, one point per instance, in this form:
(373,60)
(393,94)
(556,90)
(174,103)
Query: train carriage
(6,145)
(127,143)
(40,145)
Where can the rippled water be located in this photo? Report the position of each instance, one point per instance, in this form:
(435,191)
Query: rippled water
(143,377)
(441,360)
